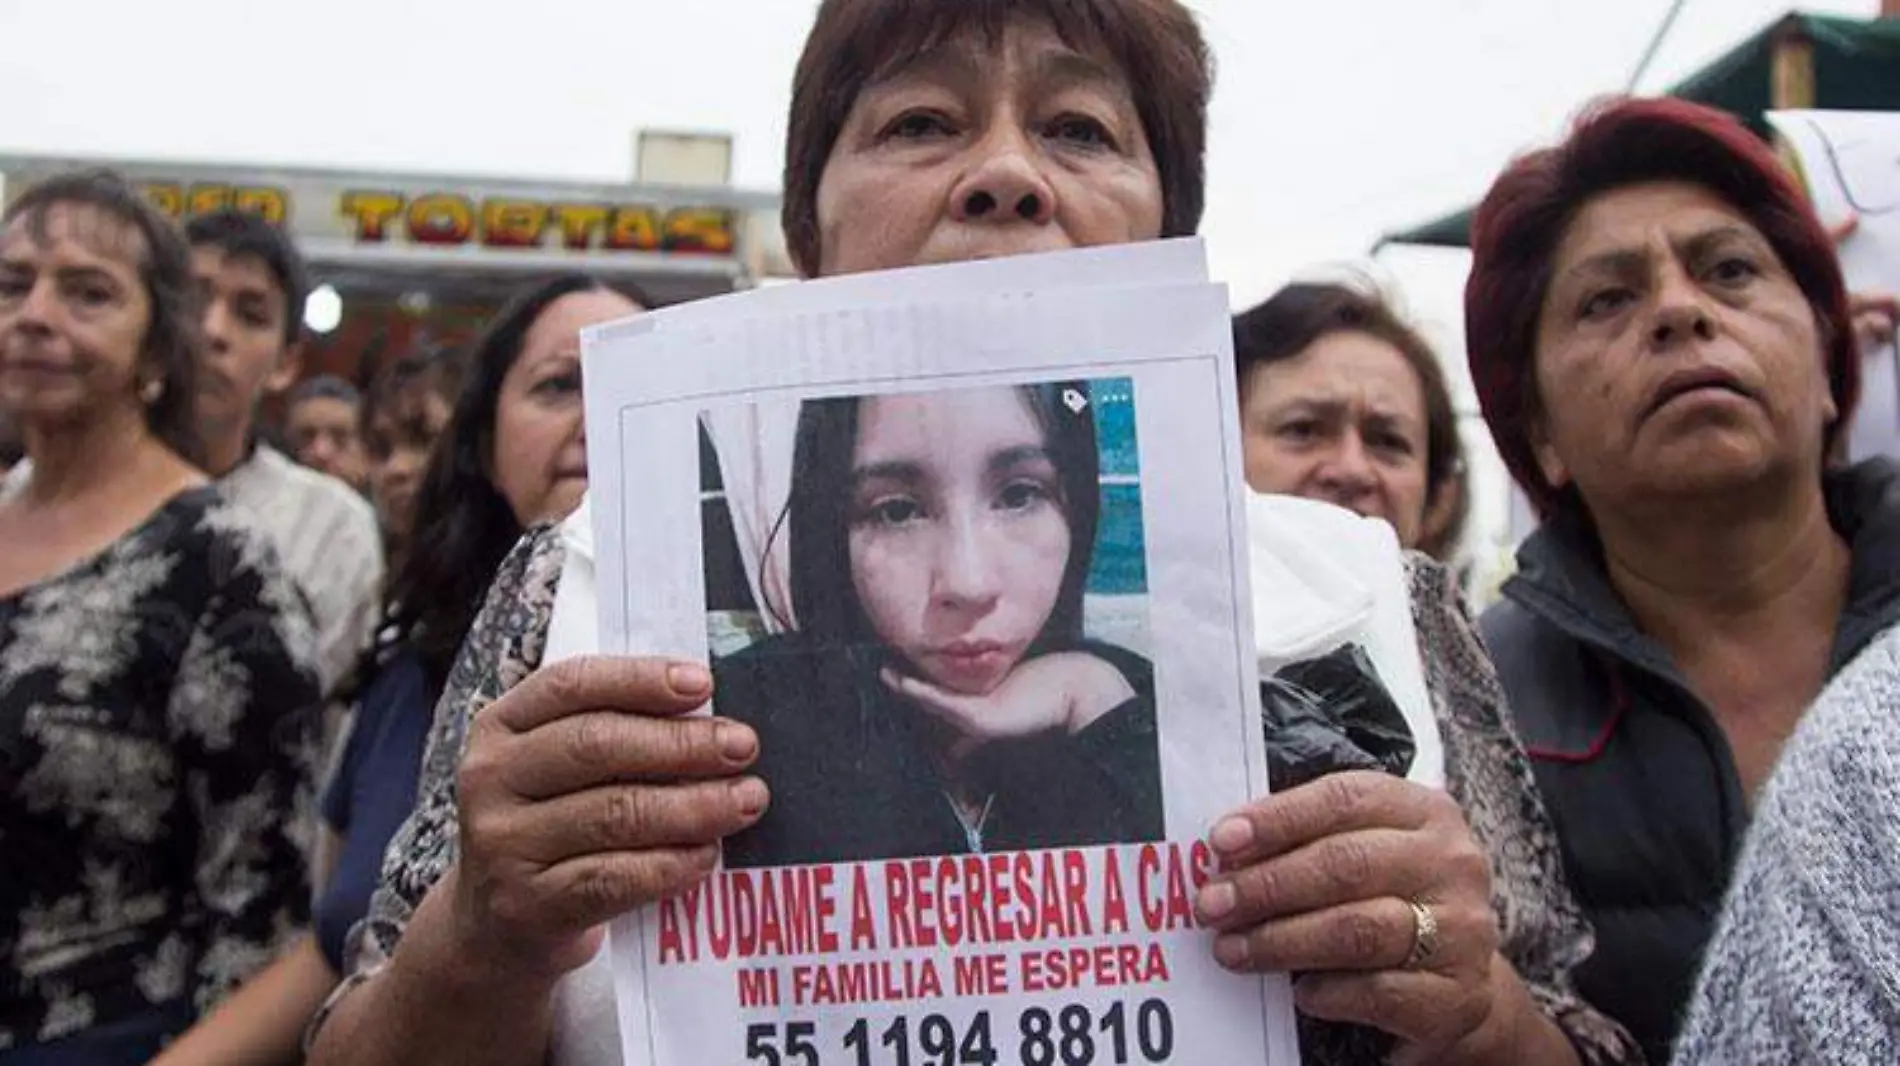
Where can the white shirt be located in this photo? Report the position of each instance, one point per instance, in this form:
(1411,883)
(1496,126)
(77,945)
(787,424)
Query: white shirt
(328,541)
(586,1024)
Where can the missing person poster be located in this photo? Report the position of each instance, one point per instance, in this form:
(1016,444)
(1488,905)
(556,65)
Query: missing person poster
(969,556)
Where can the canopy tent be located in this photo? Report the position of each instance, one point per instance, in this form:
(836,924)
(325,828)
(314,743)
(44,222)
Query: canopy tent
(1801,61)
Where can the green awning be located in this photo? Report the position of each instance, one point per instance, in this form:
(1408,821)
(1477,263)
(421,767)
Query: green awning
(1856,68)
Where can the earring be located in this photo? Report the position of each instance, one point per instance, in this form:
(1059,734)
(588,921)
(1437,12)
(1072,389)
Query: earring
(152,390)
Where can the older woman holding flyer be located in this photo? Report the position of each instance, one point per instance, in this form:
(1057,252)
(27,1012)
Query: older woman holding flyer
(1435,924)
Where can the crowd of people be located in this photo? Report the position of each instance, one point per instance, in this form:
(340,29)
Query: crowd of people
(252,815)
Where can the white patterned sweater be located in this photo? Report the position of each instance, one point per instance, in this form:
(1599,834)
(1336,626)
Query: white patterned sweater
(1805,965)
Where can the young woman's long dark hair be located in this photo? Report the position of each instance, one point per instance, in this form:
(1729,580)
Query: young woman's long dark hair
(463,526)
(817,513)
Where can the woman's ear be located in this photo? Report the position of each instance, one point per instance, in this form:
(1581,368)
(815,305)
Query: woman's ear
(1837,454)
(1549,462)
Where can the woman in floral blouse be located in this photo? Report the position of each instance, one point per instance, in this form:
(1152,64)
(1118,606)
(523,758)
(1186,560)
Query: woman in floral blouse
(156,668)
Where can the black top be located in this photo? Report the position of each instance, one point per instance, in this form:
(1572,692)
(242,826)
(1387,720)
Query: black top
(1638,776)
(157,730)
(852,779)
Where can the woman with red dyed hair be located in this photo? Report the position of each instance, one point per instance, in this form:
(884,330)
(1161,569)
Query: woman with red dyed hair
(1665,355)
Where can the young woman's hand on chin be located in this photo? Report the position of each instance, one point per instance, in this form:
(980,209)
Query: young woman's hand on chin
(1064,691)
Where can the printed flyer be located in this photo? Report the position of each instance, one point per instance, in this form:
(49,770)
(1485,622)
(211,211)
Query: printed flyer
(965,547)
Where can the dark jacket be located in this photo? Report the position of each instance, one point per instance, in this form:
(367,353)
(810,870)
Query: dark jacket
(1637,774)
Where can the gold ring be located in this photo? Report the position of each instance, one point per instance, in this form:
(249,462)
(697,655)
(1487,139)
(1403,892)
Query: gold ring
(1424,935)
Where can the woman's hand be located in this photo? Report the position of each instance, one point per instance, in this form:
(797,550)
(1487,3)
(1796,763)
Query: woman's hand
(1875,317)
(1875,314)
(585,792)
(1064,691)
(1320,882)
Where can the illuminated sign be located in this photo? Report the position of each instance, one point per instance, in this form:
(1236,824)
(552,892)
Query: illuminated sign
(447,218)
(190,201)
(443,219)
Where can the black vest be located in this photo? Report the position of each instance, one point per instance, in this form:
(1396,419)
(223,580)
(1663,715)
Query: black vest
(1636,774)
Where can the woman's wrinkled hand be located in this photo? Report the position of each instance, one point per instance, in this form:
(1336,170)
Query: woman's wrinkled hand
(1875,317)
(587,791)
(1875,314)
(1320,881)
(1065,691)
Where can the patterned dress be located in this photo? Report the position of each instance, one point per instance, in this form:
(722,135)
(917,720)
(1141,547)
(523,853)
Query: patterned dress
(1543,933)
(156,716)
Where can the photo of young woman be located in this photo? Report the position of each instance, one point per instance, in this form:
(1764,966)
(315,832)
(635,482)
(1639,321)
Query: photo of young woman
(929,688)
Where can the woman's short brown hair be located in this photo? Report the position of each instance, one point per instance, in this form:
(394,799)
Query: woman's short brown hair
(1156,44)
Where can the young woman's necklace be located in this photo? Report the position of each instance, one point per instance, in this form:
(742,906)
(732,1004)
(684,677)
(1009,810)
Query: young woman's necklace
(972,832)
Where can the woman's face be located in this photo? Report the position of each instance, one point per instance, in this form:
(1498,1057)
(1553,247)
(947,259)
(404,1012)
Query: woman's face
(1343,421)
(73,317)
(401,436)
(979,149)
(1675,353)
(958,535)
(539,463)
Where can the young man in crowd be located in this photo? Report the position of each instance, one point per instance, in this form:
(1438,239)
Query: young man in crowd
(320,429)
(252,282)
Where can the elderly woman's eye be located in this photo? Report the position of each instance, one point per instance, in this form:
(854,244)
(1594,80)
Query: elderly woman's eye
(1391,444)
(1604,302)
(917,125)
(1299,431)
(1081,130)
(1734,270)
